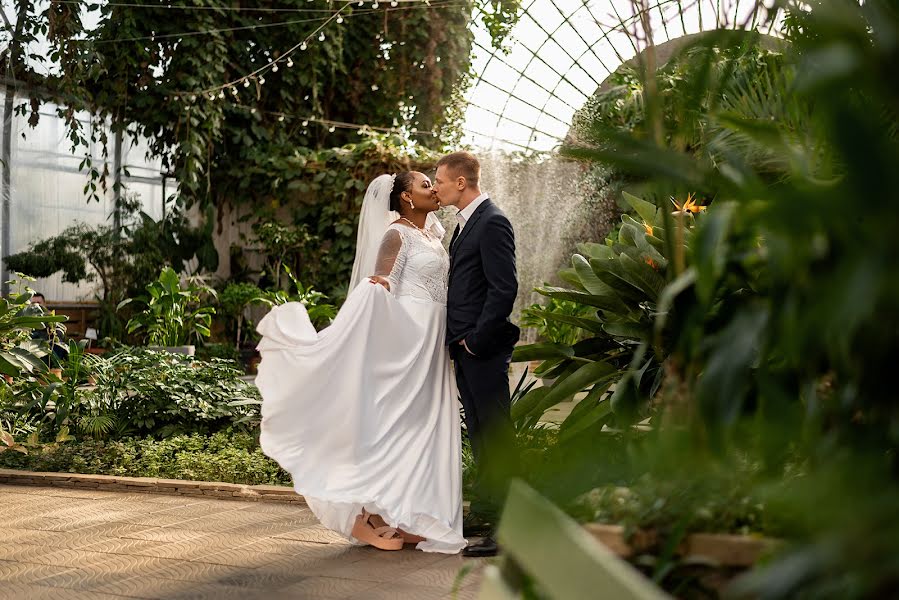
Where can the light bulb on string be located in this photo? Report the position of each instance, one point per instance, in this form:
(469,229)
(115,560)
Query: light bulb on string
(275,68)
(246,83)
(321,36)
(280,117)
(262,81)
(193,98)
(339,19)
(289,63)
(222,95)
(375,5)
(234,91)
(331,129)
(303,46)
(394,3)
(305,123)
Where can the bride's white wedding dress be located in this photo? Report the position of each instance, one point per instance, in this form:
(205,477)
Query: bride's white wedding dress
(363,414)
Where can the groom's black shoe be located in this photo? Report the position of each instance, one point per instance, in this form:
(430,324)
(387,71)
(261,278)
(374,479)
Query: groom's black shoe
(486,547)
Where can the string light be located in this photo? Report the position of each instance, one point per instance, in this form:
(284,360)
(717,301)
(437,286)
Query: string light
(321,36)
(275,68)
(303,46)
(289,62)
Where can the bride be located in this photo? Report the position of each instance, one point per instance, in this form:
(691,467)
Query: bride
(363,414)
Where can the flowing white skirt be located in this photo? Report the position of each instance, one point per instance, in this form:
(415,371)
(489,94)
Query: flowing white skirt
(364,414)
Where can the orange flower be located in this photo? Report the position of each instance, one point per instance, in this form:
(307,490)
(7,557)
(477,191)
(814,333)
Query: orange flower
(647,227)
(651,263)
(689,205)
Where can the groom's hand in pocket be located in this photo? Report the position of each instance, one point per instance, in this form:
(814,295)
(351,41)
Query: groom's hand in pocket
(464,345)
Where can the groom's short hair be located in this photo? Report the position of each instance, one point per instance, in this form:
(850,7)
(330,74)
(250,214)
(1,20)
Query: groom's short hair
(465,164)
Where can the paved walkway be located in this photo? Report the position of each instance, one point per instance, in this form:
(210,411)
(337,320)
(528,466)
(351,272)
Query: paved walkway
(84,544)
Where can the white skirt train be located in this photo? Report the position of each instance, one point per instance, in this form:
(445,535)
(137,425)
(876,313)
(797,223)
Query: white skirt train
(364,415)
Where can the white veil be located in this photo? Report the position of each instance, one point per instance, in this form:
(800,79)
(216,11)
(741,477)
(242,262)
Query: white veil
(374,219)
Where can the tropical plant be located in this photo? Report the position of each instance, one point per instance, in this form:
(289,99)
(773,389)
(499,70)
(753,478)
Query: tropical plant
(281,244)
(173,315)
(121,260)
(234,300)
(614,305)
(320,313)
(551,330)
(19,353)
(776,319)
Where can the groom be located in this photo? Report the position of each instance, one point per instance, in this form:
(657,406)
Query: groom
(482,287)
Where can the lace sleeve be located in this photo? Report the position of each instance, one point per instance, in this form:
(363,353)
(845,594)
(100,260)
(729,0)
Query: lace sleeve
(391,258)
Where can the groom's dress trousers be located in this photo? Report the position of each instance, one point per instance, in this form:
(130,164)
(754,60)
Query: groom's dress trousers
(483,284)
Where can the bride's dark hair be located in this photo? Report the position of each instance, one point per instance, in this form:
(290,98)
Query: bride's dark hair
(402,183)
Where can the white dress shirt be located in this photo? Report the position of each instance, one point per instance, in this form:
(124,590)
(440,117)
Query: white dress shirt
(465,214)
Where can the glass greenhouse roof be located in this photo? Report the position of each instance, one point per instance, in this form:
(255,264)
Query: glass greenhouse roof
(524,95)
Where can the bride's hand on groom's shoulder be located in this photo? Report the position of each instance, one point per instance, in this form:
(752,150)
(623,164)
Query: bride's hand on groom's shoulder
(380,280)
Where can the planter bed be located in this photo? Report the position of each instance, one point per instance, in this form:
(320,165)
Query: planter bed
(720,548)
(153,485)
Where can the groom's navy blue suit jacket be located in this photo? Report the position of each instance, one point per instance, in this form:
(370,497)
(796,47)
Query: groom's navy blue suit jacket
(483,283)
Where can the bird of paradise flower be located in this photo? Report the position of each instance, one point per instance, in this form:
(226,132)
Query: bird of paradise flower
(689,206)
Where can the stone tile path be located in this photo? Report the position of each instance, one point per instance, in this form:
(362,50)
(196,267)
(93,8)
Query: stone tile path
(87,544)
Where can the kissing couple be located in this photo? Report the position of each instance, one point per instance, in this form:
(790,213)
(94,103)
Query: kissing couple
(363,414)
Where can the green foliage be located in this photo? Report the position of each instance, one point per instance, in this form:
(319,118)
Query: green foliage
(499,16)
(219,148)
(19,353)
(234,300)
(229,456)
(173,315)
(548,320)
(314,197)
(122,261)
(157,393)
(320,312)
(609,317)
(280,243)
(776,319)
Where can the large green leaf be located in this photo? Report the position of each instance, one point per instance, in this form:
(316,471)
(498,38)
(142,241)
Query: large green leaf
(609,302)
(710,249)
(642,276)
(612,273)
(170,280)
(593,250)
(646,210)
(666,300)
(584,377)
(628,329)
(528,403)
(592,411)
(541,352)
(587,324)
(591,283)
